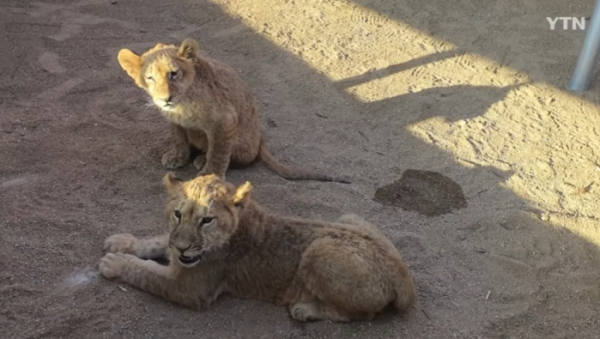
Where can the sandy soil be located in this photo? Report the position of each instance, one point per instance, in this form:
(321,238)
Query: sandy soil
(472,90)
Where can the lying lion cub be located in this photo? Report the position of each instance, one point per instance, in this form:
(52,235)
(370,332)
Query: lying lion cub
(209,107)
(221,241)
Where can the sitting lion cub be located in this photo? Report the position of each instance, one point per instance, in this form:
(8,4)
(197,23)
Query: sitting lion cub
(209,107)
(221,241)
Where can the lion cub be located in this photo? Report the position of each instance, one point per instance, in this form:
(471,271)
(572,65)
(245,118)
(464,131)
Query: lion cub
(209,107)
(221,241)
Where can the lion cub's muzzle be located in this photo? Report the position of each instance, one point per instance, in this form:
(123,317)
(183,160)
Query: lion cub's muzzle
(187,260)
(187,254)
(165,104)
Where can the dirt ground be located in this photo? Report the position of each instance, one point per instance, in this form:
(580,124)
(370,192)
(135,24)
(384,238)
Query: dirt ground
(473,90)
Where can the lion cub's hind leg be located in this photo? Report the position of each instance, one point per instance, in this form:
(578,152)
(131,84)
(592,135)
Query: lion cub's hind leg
(349,274)
(306,311)
(309,308)
(148,248)
(404,286)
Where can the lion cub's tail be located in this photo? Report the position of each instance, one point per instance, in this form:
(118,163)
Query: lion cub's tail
(406,293)
(293,174)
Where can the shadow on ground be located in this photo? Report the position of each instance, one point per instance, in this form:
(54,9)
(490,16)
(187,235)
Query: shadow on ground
(516,35)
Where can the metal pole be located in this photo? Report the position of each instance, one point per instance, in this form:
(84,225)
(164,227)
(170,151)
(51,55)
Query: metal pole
(584,70)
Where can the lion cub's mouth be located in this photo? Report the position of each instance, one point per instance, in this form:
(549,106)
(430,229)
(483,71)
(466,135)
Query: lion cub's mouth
(188,261)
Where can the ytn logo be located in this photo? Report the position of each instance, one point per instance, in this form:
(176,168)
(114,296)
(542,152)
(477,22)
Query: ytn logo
(575,23)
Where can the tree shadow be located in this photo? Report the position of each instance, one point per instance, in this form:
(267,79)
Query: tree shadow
(514,34)
(387,71)
(452,103)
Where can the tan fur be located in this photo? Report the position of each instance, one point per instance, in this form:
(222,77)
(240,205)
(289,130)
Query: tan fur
(209,107)
(340,271)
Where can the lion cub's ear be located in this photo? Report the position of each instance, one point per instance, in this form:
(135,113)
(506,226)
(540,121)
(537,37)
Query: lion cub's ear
(130,62)
(189,49)
(242,194)
(172,183)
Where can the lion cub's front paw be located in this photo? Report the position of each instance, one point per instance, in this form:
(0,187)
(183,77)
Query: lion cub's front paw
(199,162)
(120,243)
(174,159)
(113,265)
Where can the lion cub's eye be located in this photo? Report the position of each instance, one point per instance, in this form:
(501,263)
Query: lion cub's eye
(173,75)
(206,221)
(177,215)
(149,78)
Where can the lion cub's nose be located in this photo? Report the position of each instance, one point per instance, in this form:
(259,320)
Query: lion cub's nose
(167,101)
(182,249)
